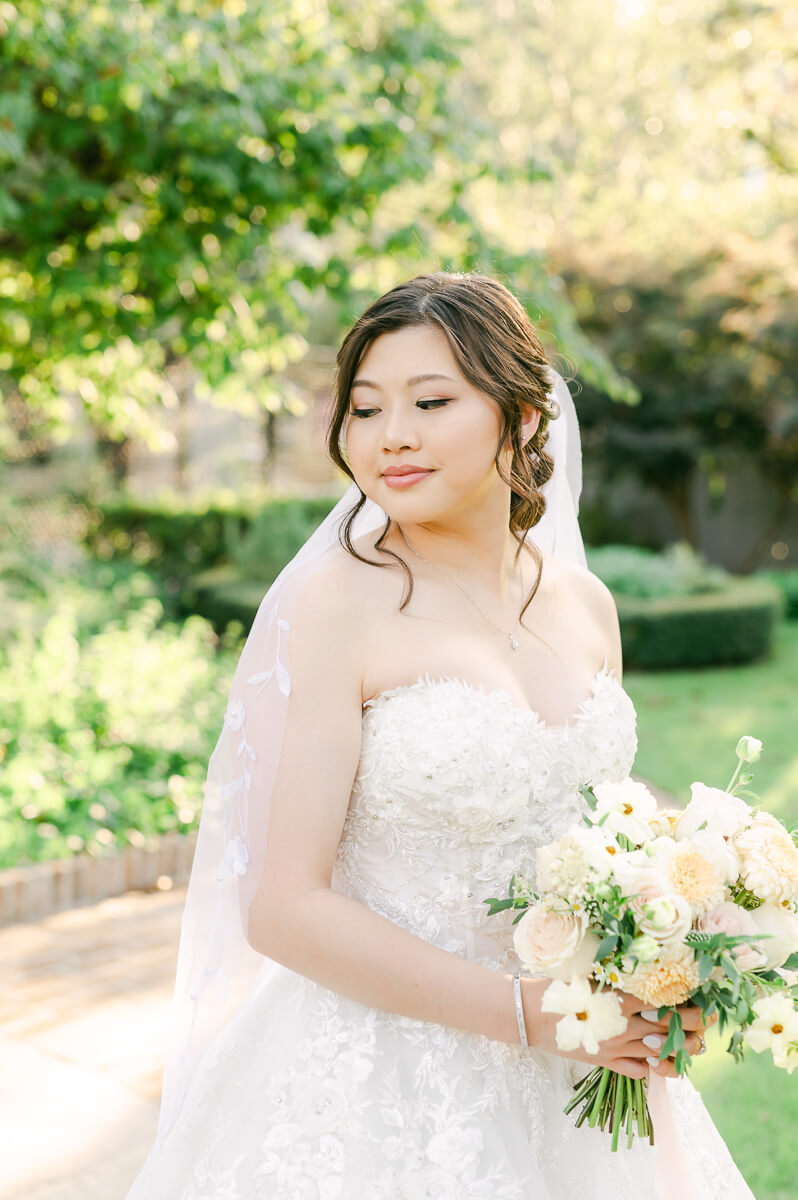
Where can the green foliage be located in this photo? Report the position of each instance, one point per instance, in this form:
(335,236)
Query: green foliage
(112,714)
(634,571)
(735,625)
(180,183)
(690,716)
(711,343)
(179,538)
(786,580)
(677,611)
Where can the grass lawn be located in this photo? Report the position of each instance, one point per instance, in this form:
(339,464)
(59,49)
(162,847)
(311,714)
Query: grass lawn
(689,722)
(688,726)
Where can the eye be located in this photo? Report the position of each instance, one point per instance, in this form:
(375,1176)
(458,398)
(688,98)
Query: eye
(366,412)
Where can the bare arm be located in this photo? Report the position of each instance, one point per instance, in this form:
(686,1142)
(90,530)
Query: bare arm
(296,917)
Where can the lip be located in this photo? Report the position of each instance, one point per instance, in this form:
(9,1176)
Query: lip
(402,477)
(406,469)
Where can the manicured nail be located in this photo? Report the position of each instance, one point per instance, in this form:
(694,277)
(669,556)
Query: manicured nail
(653,1041)
(649,1014)
(653,1062)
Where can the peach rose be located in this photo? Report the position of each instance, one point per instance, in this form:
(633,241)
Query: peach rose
(665,916)
(732,919)
(554,941)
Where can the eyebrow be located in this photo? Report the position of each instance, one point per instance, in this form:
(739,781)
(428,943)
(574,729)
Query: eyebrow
(415,379)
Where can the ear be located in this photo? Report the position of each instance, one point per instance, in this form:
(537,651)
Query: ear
(529,422)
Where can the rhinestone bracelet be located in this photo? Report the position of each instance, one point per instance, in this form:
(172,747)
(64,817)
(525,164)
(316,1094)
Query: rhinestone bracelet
(519,1010)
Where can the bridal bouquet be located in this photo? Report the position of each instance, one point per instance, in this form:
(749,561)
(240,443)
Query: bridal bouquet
(698,905)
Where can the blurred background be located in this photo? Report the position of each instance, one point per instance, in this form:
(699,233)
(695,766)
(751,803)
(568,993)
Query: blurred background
(196,200)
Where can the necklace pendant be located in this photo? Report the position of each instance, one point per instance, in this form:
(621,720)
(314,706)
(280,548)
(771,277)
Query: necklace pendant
(513,642)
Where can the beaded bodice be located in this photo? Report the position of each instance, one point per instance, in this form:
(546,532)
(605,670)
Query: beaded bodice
(456,788)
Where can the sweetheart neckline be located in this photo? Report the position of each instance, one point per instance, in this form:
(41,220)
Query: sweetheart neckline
(481,691)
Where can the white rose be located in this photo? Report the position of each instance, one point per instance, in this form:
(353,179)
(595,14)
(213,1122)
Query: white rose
(666,916)
(638,870)
(782,924)
(723,813)
(553,941)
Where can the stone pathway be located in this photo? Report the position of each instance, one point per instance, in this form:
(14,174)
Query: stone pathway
(84,996)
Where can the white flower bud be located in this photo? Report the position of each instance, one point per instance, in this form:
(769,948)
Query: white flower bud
(749,748)
(645,948)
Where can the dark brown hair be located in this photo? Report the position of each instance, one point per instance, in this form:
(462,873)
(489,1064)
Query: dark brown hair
(497,350)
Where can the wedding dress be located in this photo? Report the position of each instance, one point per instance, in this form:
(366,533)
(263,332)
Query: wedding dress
(308,1095)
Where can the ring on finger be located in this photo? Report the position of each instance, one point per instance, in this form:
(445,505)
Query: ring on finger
(702,1046)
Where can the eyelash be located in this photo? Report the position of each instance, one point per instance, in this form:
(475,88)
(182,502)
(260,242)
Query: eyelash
(364,412)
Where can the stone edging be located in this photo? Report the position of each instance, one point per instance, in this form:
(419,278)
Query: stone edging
(33,891)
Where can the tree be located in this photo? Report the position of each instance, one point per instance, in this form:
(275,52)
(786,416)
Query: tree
(179,179)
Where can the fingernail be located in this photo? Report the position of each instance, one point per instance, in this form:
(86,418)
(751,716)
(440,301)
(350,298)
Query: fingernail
(653,1062)
(649,1014)
(653,1041)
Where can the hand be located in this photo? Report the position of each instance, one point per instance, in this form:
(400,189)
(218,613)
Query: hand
(626,1053)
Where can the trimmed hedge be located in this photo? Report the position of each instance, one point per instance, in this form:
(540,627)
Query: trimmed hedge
(179,538)
(225,594)
(681,632)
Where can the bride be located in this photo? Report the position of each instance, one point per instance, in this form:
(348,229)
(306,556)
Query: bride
(423,690)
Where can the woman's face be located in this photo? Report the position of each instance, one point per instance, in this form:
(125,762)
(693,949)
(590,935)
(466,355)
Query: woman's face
(444,425)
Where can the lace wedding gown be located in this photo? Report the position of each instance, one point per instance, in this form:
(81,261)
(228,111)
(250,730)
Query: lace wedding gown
(308,1095)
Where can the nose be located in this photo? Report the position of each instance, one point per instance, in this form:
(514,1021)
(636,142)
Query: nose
(399,431)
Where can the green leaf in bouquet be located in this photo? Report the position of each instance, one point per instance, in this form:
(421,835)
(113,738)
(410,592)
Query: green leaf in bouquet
(498,905)
(589,796)
(792,963)
(705,967)
(606,946)
(731,969)
(736,1046)
(682,1062)
(676,1037)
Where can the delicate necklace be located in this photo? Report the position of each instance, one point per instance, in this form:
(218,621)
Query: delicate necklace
(513,641)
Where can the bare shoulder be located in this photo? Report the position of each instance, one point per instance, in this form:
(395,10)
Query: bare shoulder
(597,600)
(335,607)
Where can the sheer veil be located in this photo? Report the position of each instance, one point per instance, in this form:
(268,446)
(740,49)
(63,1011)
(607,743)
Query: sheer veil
(217,968)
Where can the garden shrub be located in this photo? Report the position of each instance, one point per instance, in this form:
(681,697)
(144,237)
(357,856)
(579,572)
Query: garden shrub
(111,717)
(731,626)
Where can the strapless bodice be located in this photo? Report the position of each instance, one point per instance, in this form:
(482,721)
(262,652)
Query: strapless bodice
(456,787)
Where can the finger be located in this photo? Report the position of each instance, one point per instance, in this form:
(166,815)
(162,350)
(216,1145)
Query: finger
(693,1043)
(693,1019)
(639,1027)
(635,1068)
(666,1068)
